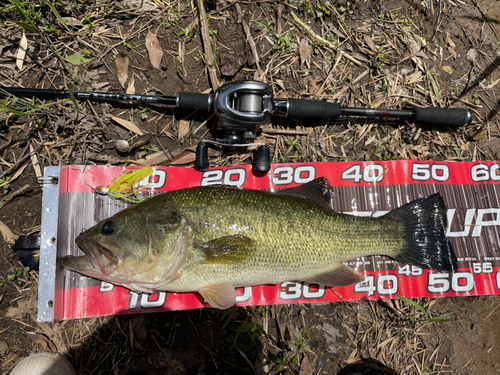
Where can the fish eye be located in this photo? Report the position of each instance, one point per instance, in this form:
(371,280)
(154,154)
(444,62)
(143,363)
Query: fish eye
(108,228)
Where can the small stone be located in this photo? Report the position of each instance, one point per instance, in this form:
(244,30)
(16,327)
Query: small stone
(122,145)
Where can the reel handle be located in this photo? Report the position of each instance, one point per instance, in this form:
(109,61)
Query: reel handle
(262,160)
(201,161)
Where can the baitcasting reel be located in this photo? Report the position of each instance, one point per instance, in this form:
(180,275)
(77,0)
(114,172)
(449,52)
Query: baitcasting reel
(243,106)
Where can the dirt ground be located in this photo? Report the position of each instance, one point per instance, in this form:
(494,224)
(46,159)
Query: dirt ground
(371,53)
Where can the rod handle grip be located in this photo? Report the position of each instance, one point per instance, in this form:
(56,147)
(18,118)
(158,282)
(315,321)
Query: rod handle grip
(452,117)
(193,101)
(312,109)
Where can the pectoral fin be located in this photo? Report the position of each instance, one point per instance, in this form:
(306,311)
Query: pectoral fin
(228,249)
(221,296)
(339,276)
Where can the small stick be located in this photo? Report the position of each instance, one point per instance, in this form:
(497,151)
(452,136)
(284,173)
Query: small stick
(25,155)
(9,197)
(278,131)
(208,46)
(323,40)
(250,40)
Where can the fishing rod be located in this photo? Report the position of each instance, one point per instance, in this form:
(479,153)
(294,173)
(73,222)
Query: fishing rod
(243,106)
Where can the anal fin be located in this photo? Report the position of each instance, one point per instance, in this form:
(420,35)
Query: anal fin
(340,276)
(221,296)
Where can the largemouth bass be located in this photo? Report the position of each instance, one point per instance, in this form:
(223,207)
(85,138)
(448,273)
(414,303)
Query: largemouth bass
(213,239)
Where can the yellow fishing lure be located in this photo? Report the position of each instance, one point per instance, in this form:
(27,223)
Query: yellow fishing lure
(126,186)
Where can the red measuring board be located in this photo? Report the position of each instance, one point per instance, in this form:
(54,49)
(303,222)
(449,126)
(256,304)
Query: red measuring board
(471,192)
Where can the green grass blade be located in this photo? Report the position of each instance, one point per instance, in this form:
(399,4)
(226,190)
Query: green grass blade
(31,28)
(410,302)
(58,16)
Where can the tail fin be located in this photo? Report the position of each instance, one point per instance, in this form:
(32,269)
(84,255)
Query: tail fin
(425,245)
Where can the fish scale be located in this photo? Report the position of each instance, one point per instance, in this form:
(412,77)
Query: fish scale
(295,239)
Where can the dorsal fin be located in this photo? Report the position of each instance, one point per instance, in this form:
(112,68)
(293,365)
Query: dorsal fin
(317,190)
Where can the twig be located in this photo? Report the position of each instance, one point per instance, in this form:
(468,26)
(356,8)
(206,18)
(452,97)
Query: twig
(250,40)
(25,155)
(328,78)
(34,161)
(278,131)
(9,197)
(212,72)
(323,40)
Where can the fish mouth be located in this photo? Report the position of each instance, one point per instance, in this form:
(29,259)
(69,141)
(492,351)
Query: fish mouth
(98,257)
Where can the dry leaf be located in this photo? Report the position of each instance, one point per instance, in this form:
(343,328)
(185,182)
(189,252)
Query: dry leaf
(231,63)
(414,46)
(472,55)
(154,50)
(7,234)
(72,21)
(42,342)
(157,158)
(3,348)
(304,50)
(188,155)
(183,157)
(313,86)
(305,366)
(280,83)
(183,129)
(28,305)
(122,68)
(131,86)
(448,69)
(352,357)
(478,134)
(128,125)
(141,140)
(174,365)
(331,335)
(451,47)
(286,330)
(21,53)
(370,43)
